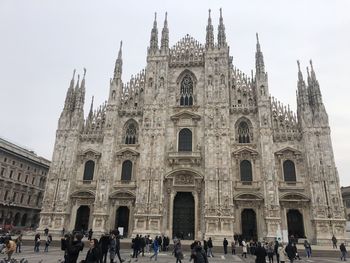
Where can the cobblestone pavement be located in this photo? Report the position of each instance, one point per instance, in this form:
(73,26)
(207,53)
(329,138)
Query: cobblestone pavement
(55,254)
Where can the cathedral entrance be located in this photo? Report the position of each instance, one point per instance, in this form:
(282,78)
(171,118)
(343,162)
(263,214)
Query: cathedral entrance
(183,216)
(248,220)
(122,219)
(82,219)
(295,223)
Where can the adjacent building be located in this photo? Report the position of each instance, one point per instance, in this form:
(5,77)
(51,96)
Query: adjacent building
(22,183)
(193,147)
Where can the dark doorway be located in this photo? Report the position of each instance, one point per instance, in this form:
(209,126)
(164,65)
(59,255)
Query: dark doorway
(17,219)
(24,220)
(183,216)
(295,223)
(122,219)
(248,219)
(82,219)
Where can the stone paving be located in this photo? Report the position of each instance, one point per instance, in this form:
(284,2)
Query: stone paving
(55,254)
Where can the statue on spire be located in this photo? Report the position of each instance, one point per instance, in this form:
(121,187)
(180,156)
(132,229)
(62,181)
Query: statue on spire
(221,32)
(165,34)
(154,35)
(210,34)
(259,58)
(119,63)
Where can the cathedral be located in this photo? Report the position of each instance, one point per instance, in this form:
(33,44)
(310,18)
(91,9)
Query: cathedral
(193,147)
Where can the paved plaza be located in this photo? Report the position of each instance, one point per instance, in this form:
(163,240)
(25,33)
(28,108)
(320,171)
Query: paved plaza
(55,254)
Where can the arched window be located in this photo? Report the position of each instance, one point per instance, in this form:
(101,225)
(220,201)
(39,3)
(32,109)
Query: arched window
(89,171)
(246,171)
(289,171)
(126,171)
(185,140)
(131,133)
(186,91)
(243,133)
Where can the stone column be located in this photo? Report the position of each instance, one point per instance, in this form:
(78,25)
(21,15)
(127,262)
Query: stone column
(73,217)
(171,209)
(196,215)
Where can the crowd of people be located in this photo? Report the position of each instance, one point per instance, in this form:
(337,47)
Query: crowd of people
(107,248)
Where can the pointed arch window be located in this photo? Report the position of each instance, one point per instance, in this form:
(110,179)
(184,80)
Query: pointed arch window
(126,170)
(185,140)
(131,133)
(289,171)
(243,133)
(186,91)
(246,171)
(89,171)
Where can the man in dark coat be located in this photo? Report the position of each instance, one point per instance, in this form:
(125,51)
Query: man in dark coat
(260,254)
(136,246)
(103,244)
(291,252)
(225,244)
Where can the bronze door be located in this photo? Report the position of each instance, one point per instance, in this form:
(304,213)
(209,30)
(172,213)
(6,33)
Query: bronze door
(249,230)
(183,217)
(295,223)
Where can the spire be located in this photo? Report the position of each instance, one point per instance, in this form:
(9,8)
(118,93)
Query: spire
(165,34)
(259,58)
(221,32)
(313,75)
(300,75)
(70,93)
(118,69)
(313,86)
(154,35)
(210,34)
(91,108)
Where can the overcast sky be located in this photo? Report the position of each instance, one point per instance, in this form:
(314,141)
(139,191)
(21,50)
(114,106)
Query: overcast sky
(41,42)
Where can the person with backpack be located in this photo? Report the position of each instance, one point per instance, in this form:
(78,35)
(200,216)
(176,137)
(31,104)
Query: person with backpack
(155,248)
(343,252)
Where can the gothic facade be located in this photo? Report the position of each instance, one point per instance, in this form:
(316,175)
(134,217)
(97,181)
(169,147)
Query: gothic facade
(193,147)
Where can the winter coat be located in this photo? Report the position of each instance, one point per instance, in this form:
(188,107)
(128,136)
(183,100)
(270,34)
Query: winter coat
(93,256)
(244,245)
(290,250)
(281,253)
(260,254)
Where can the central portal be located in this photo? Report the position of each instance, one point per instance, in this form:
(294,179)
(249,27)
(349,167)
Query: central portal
(183,217)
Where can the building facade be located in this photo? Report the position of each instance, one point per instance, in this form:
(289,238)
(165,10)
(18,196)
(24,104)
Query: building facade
(193,147)
(345,192)
(22,184)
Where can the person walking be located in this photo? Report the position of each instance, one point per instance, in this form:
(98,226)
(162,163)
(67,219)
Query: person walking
(112,247)
(270,252)
(260,253)
(334,241)
(93,254)
(90,234)
(37,243)
(307,247)
(46,231)
(155,248)
(225,244)
(275,249)
(210,247)
(117,245)
(74,247)
(290,252)
(205,246)
(178,251)
(48,243)
(244,249)
(136,244)
(233,247)
(19,243)
(343,251)
(281,253)
(10,247)
(103,246)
